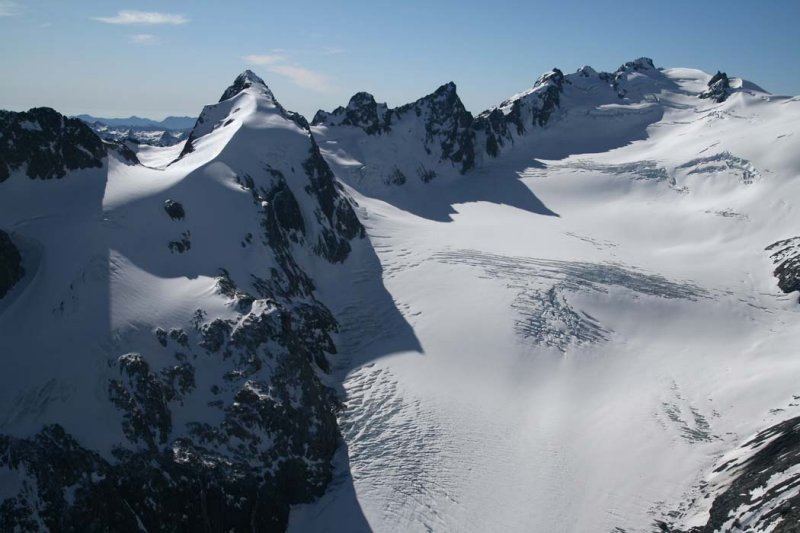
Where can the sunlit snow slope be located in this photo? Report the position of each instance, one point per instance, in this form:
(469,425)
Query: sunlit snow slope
(164,355)
(596,313)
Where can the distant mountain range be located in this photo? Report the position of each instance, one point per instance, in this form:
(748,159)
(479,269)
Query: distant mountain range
(169,123)
(141,131)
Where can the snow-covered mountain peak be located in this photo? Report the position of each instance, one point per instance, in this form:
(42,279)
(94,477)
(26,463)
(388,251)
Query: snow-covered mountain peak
(246,80)
(247,103)
(642,63)
(553,77)
(360,100)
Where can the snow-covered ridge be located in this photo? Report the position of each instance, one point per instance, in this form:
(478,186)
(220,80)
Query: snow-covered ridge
(375,144)
(247,98)
(186,348)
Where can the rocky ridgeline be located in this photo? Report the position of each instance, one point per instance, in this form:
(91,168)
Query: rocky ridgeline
(226,421)
(134,136)
(458,139)
(47,144)
(445,122)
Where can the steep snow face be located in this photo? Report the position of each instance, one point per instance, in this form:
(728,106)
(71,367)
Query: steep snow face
(164,354)
(586,371)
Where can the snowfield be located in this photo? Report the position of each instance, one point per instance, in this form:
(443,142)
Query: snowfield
(595,327)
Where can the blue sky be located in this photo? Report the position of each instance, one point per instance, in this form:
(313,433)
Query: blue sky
(117,58)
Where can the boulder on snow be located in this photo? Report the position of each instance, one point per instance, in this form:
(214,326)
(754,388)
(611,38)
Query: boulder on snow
(174,210)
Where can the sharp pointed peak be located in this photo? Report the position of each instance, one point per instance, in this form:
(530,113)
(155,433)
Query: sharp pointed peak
(449,87)
(245,80)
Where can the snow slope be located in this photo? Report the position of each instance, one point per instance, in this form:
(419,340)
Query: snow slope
(596,313)
(165,356)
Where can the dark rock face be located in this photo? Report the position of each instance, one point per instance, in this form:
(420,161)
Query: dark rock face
(47,143)
(719,88)
(362,112)
(752,500)
(531,110)
(643,63)
(11,270)
(786,255)
(342,223)
(447,123)
(174,210)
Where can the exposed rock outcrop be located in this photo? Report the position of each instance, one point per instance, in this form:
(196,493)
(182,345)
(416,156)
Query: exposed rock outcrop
(11,270)
(47,144)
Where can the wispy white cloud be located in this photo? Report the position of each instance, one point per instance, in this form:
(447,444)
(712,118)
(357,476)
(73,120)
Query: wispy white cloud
(331,50)
(8,8)
(143,18)
(303,77)
(278,62)
(143,39)
(265,59)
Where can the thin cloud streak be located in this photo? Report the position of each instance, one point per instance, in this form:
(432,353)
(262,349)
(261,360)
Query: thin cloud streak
(303,77)
(265,59)
(143,39)
(279,63)
(132,17)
